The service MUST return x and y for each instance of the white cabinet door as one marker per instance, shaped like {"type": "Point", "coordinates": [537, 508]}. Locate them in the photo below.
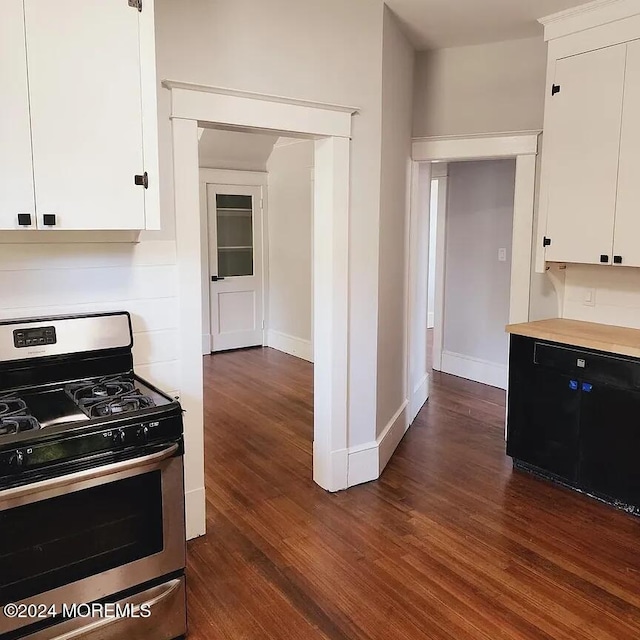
{"type": "Point", "coordinates": [16, 192]}
{"type": "Point", "coordinates": [626, 244]}
{"type": "Point", "coordinates": [86, 114]}
{"type": "Point", "coordinates": [582, 141]}
{"type": "Point", "coordinates": [234, 218]}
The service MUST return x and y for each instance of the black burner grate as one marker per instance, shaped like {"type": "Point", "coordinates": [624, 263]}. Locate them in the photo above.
{"type": "Point", "coordinates": [14, 416]}
{"type": "Point", "coordinates": [109, 396]}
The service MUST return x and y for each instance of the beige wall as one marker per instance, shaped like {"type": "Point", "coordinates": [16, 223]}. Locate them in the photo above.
{"type": "Point", "coordinates": [397, 105]}
{"type": "Point", "coordinates": [480, 89]}
{"type": "Point", "coordinates": [290, 238]}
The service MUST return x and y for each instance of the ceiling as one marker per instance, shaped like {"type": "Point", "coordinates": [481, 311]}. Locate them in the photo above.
{"type": "Point", "coordinates": [435, 24]}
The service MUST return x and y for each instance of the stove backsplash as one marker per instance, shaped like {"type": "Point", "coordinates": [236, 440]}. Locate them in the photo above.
{"type": "Point", "coordinates": [615, 291]}
{"type": "Point", "coordinates": [66, 278]}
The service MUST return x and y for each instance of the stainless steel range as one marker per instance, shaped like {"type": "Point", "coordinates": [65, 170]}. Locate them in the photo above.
{"type": "Point", "coordinates": [92, 529]}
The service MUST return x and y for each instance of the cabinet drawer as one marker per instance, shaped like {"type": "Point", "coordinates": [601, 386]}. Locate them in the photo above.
{"type": "Point", "coordinates": [615, 371]}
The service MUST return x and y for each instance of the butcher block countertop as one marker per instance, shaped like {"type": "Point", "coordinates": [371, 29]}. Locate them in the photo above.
{"type": "Point", "coordinates": [589, 335]}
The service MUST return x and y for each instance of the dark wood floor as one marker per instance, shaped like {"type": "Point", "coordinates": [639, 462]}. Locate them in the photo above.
{"type": "Point", "coordinates": [449, 544]}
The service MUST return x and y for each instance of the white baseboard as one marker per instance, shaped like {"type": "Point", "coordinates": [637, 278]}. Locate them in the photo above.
{"type": "Point", "coordinates": [330, 471]}
{"type": "Point", "coordinates": [431, 320]}
{"type": "Point", "coordinates": [390, 437]}
{"type": "Point", "coordinates": [366, 462]}
{"type": "Point", "coordinates": [495, 375]}
{"type": "Point", "coordinates": [290, 344]}
{"type": "Point", "coordinates": [206, 344]}
{"type": "Point", "coordinates": [195, 513]}
{"type": "Point", "coordinates": [419, 396]}
{"type": "Point", "coordinates": [363, 464]}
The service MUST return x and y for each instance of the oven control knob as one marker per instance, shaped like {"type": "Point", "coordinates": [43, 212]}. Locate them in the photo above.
{"type": "Point", "coordinates": [17, 460]}
{"type": "Point", "coordinates": [119, 436]}
{"type": "Point", "coordinates": [143, 434]}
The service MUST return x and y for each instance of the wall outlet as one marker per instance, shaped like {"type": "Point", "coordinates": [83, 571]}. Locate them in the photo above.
{"type": "Point", "coordinates": [502, 255]}
{"type": "Point", "coordinates": [589, 299]}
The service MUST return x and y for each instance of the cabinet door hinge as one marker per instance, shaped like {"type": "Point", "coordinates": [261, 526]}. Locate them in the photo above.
{"type": "Point", "coordinates": [142, 180]}
{"type": "Point", "coordinates": [555, 88]}
{"type": "Point", "coordinates": [546, 241]}
{"type": "Point", "coordinates": [136, 4]}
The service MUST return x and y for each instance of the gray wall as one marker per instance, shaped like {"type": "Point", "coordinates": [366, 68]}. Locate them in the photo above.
{"type": "Point", "coordinates": [479, 222]}
{"type": "Point", "coordinates": [397, 106]}
{"type": "Point", "coordinates": [480, 89]}
{"type": "Point", "coordinates": [329, 51]}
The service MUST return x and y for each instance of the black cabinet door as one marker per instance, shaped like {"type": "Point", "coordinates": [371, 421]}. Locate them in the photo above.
{"type": "Point", "coordinates": [610, 443]}
{"type": "Point", "coordinates": [544, 418]}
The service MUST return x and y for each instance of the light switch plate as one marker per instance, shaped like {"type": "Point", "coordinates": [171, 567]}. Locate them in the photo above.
{"type": "Point", "coordinates": [589, 299]}
{"type": "Point", "coordinates": [502, 255]}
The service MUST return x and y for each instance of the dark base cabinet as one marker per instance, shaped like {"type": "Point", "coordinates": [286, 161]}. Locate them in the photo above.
{"type": "Point", "coordinates": [574, 416]}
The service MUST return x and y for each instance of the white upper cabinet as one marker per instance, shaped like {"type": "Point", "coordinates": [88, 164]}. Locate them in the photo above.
{"type": "Point", "coordinates": [79, 120]}
{"type": "Point", "coordinates": [626, 244]}
{"type": "Point", "coordinates": [589, 208]}
{"type": "Point", "coordinates": [581, 146]}
{"type": "Point", "coordinates": [16, 193]}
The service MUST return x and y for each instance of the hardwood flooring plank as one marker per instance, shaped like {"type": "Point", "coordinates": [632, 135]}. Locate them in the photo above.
{"type": "Point", "coordinates": [450, 544]}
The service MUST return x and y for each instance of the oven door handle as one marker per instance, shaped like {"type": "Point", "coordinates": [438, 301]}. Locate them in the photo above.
{"type": "Point", "coordinates": [91, 628]}
{"type": "Point", "coordinates": [89, 474]}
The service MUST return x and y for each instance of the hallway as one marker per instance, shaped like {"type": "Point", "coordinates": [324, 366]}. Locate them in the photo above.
{"type": "Point", "coordinates": [442, 547]}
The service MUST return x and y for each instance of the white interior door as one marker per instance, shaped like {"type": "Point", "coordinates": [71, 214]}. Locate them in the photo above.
{"type": "Point", "coordinates": [86, 112]}
{"type": "Point", "coordinates": [626, 248]}
{"type": "Point", "coordinates": [16, 193]}
{"type": "Point", "coordinates": [234, 218]}
{"type": "Point", "coordinates": [582, 139]}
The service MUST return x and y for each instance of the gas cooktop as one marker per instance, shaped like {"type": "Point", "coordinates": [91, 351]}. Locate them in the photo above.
{"type": "Point", "coordinates": [75, 402]}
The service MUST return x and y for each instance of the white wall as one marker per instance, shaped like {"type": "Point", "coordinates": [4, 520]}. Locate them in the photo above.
{"type": "Point", "coordinates": [479, 221]}
{"type": "Point", "coordinates": [397, 106]}
{"type": "Point", "coordinates": [290, 238]}
{"type": "Point", "coordinates": [234, 150]}
{"type": "Point", "coordinates": [480, 89]}
{"type": "Point", "coordinates": [328, 51]}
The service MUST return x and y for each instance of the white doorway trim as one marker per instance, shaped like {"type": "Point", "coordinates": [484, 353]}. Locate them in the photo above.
{"type": "Point", "coordinates": [239, 179]}
{"type": "Point", "coordinates": [521, 145]}
{"type": "Point", "coordinates": [330, 127]}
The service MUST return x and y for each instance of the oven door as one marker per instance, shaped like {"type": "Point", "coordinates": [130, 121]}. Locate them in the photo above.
{"type": "Point", "coordinates": [88, 535]}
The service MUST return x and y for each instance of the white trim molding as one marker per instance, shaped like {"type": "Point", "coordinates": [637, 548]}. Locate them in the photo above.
{"type": "Point", "coordinates": [587, 16]}
{"type": "Point", "coordinates": [290, 344]}
{"type": "Point", "coordinates": [475, 147]}
{"type": "Point", "coordinates": [483, 371]}
{"type": "Point", "coordinates": [231, 108]}
{"type": "Point", "coordinates": [234, 177]}
{"type": "Point", "coordinates": [330, 126]}
{"type": "Point", "coordinates": [366, 462]}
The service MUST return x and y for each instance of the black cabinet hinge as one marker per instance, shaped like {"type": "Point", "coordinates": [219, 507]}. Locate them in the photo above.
{"type": "Point", "coordinates": [136, 4]}
{"type": "Point", "coordinates": [546, 241]}
{"type": "Point", "coordinates": [555, 88]}
{"type": "Point", "coordinates": [142, 180]}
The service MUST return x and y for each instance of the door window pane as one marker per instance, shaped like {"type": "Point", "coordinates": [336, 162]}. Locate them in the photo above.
{"type": "Point", "coordinates": [234, 216]}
